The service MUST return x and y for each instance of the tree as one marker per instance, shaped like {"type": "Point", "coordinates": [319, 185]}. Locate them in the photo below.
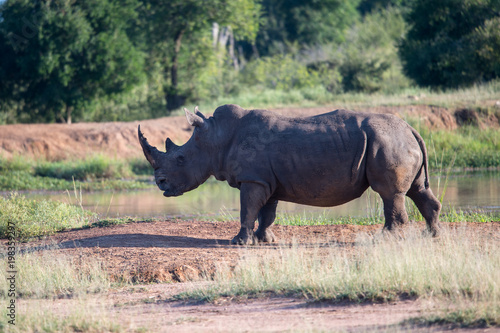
{"type": "Point", "coordinates": [56, 56]}
{"type": "Point", "coordinates": [304, 22]}
{"type": "Point", "coordinates": [452, 43]}
{"type": "Point", "coordinates": [368, 6]}
{"type": "Point", "coordinates": [368, 58]}
{"type": "Point", "coordinates": [168, 25]}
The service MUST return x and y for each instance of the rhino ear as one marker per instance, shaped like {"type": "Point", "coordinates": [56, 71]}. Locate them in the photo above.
{"type": "Point", "coordinates": [193, 119]}
{"type": "Point", "coordinates": [170, 146]}
{"type": "Point", "coordinates": [197, 112]}
{"type": "Point", "coordinates": [152, 154]}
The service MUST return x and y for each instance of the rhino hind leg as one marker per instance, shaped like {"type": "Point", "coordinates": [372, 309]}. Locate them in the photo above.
{"type": "Point", "coordinates": [394, 211]}
{"type": "Point", "coordinates": [267, 215]}
{"type": "Point", "coordinates": [428, 205]}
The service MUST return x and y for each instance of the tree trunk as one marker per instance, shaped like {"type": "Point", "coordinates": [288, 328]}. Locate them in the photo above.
{"type": "Point", "coordinates": [69, 111]}
{"type": "Point", "coordinates": [174, 100]}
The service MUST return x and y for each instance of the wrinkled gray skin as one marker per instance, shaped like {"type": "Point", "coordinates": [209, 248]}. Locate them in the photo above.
{"type": "Point", "coordinates": [324, 160]}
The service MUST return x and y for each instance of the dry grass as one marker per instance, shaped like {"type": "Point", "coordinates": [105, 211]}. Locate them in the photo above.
{"type": "Point", "coordinates": [77, 315]}
{"type": "Point", "coordinates": [47, 274]}
{"type": "Point", "coordinates": [460, 268]}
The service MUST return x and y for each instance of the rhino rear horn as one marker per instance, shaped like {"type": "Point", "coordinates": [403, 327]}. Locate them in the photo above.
{"type": "Point", "coordinates": [152, 154]}
{"type": "Point", "coordinates": [169, 145]}
{"type": "Point", "coordinates": [195, 119]}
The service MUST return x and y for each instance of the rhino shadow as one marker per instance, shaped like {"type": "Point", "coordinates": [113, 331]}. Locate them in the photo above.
{"type": "Point", "coordinates": [144, 240]}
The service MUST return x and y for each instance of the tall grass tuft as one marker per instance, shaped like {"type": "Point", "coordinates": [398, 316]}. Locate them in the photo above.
{"type": "Point", "coordinates": [49, 273]}
{"type": "Point", "coordinates": [33, 218]}
{"type": "Point", "coordinates": [460, 266]}
{"type": "Point", "coordinates": [81, 315]}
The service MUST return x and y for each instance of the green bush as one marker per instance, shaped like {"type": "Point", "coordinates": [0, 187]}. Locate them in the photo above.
{"type": "Point", "coordinates": [24, 180]}
{"type": "Point", "coordinates": [16, 163]}
{"type": "Point", "coordinates": [32, 218]}
{"type": "Point", "coordinates": [368, 59]}
{"type": "Point", "coordinates": [279, 72]}
{"type": "Point", "coordinates": [97, 167]}
{"type": "Point", "coordinates": [141, 166]}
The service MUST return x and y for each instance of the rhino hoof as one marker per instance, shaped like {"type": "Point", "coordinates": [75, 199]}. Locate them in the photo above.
{"type": "Point", "coordinates": [240, 240]}
{"type": "Point", "coordinates": [265, 237]}
{"type": "Point", "coordinates": [432, 232]}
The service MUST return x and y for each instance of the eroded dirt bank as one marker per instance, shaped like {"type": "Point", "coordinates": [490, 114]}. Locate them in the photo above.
{"type": "Point", "coordinates": [119, 139]}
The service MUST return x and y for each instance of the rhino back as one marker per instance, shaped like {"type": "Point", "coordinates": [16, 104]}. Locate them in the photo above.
{"type": "Point", "coordinates": [305, 160]}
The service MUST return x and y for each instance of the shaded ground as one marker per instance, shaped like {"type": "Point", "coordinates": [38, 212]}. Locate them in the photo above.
{"type": "Point", "coordinates": [119, 139]}
{"type": "Point", "coordinates": [170, 251]}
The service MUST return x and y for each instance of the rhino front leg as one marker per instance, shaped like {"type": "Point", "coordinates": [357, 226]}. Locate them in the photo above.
{"type": "Point", "coordinates": [253, 197]}
{"type": "Point", "coordinates": [267, 214]}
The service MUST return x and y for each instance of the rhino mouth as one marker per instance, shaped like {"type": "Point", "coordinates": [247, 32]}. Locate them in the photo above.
{"type": "Point", "coordinates": [170, 193]}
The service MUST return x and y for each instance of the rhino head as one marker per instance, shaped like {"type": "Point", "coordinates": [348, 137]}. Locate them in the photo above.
{"type": "Point", "coordinates": [180, 168]}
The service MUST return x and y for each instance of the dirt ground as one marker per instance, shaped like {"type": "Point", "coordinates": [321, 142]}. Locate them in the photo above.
{"type": "Point", "coordinates": [119, 139]}
{"type": "Point", "coordinates": [179, 251]}
{"type": "Point", "coordinates": [174, 252]}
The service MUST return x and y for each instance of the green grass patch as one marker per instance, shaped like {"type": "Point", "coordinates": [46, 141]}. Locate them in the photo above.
{"type": "Point", "coordinates": [447, 215]}
{"type": "Point", "coordinates": [33, 218]}
{"type": "Point", "coordinates": [25, 181]}
{"type": "Point", "coordinates": [92, 174]}
{"type": "Point", "coordinates": [96, 167]}
{"type": "Point", "coordinates": [16, 163]}
{"type": "Point", "coordinates": [18, 180]}
{"type": "Point", "coordinates": [309, 96]}
{"type": "Point", "coordinates": [465, 315]}
{"type": "Point", "coordinates": [324, 219]}
{"type": "Point", "coordinates": [461, 267]}
{"type": "Point", "coordinates": [466, 147]}
{"type": "Point", "coordinates": [117, 221]}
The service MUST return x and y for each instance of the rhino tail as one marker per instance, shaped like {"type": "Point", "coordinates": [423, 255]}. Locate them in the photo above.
{"type": "Point", "coordinates": [425, 162]}
{"type": "Point", "coordinates": [356, 164]}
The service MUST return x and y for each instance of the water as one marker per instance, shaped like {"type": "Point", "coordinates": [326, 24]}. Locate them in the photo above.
{"type": "Point", "coordinates": [468, 191]}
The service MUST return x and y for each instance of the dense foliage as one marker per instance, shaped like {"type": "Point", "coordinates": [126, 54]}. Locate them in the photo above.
{"type": "Point", "coordinates": [55, 56]}
{"type": "Point", "coordinates": [455, 44]}
{"type": "Point", "coordinates": [99, 60]}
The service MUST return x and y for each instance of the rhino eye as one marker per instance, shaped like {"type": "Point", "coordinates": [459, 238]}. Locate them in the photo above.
{"type": "Point", "coordinates": [180, 160]}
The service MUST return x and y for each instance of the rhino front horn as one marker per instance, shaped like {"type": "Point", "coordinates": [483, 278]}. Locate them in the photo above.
{"type": "Point", "coordinates": [152, 154]}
